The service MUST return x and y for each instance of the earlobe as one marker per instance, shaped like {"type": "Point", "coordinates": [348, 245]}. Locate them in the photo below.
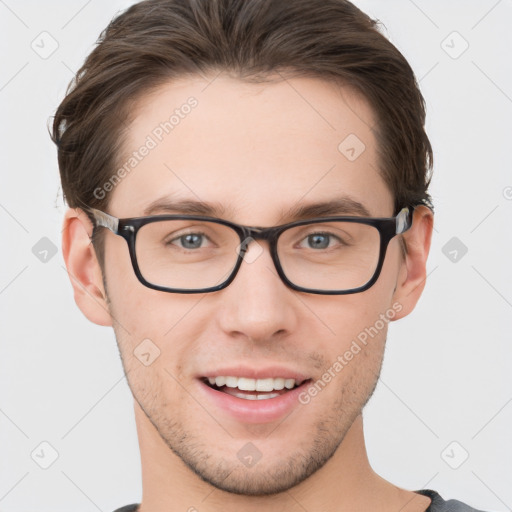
{"type": "Point", "coordinates": [83, 267]}
{"type": "Point", "coordinates": [413, 272]}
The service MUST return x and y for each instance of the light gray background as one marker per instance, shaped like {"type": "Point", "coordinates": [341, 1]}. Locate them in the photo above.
{"type": "Point", "coordinates": [446, 375]}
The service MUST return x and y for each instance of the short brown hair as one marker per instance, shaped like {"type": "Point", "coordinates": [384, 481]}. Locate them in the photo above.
{"type": "Point", "coordinates": [155, 41]}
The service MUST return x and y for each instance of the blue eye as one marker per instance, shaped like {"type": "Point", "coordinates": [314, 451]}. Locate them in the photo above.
{"type": "Point", "coordinates": [189, 241]}
{"type": "Point", "coordinates": [319, 241]}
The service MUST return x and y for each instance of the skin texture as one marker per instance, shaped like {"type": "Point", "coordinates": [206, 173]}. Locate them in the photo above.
{"type": "Point", "coordinates": [254, 150]}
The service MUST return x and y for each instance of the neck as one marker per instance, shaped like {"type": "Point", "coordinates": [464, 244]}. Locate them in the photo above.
{"type": "Point", "coordinates": [345, 483]}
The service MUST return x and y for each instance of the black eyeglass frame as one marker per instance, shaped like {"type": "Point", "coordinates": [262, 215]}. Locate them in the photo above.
{"type": "Point", "coordinates": [127, 228]}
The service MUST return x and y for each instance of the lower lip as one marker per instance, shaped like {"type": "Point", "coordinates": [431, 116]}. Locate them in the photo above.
{"type": "Point", "coordinates": [254, 411]}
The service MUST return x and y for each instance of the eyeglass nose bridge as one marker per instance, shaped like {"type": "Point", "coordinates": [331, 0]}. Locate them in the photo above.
{"type": "Point", "coordinates": [249, 234]}
{"type": "Point", "coordinates": [253, 234]}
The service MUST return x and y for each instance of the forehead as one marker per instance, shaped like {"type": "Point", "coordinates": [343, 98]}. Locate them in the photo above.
{"type": "Point", "coordinates": [253, 150]}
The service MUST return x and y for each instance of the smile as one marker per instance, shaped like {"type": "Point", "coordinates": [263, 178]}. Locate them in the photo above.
{"type": "Point", "coordinates": [252, 389]}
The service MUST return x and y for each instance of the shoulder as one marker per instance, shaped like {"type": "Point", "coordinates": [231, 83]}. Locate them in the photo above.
{"type": "Point", "coordinates": [440, 505]}
{"type": "Point", "coordinates": [128, 508]}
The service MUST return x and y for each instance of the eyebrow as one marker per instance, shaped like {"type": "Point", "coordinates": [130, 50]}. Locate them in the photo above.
{"type": "Point", "coordinates": [340, 206]}
{"type": "Point", "coordinates": [344, 205]}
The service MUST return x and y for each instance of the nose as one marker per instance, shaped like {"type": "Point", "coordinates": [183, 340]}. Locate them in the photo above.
{"type": "Point", "coordinates": [257, 304]}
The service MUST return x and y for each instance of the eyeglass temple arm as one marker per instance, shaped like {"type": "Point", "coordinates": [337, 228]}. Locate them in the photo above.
{"type": "Point", "coordinates": [403, 220]}
{"type": "Point", "coordinates": [105, 220]}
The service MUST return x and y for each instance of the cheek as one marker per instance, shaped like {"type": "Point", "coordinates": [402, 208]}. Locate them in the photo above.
{"type": "Point", "coordinates": [140, 310]}
{"type": "Point", "coordinates": [359, 344]}
{"type": "Point", "coordinates": [359, 317]}
{"type": "Point", "coordinates": [154, 348]}
{"type": "Point", "coordinates": [393, 263]}
{"type": "Point", "coordinates": [356, 325]}
{"type": "Point", "coordinates": [145, 321]}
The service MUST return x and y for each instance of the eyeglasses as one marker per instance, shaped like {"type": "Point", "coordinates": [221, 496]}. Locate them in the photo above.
{"type": "Point", "coordinates": [197, 254]}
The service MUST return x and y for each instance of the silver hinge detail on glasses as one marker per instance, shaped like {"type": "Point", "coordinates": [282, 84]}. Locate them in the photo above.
{"type": "Point", "coordinates": [105, 220]}
{"type": "Point", "coordinates": [401, 221]}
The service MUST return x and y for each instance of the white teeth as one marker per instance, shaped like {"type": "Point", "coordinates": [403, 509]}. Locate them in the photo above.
{"type": "Point", "coordinates": [255, 397]}
{"type": "Point", "coordinates": [264, 384]}
{"type": "Point", "coordinates": [278, 384]}
{"type": "Point", "coordinates": [230, 382]}
{"type": "Point", "coordinates": [289, 383]}
{"type": "Point", "coordinates": [220, 381]}
{"type": "Point", "coordinates": [246, 384]}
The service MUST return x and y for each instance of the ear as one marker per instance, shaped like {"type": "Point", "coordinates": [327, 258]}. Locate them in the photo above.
{"type": "Point", "coordinates": [83, 267]}
{"type": "Point", "coordinates": [413, 272]}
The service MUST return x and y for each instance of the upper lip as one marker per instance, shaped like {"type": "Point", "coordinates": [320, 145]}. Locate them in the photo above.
{"type": "Point", "coordinates": [253, 372]}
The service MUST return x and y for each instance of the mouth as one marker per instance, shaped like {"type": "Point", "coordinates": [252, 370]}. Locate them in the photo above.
{"type": "Point", "coordinates": [252, 393]}
{"type": "Point", "coordinates": [253, 389]}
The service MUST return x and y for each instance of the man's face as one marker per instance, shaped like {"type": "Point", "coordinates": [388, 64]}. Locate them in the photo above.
{"type": "Point", "coordinates": [254, 151]}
